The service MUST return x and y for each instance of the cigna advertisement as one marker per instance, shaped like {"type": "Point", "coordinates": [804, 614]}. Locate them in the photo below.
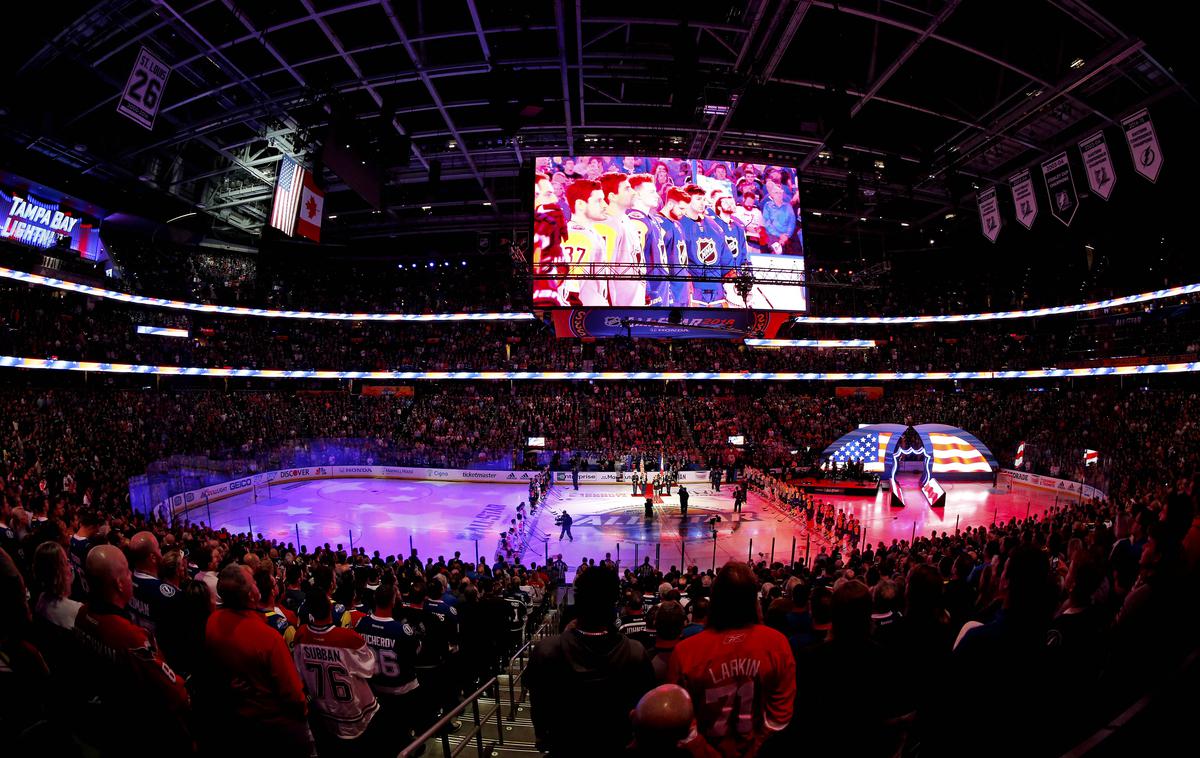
{"type": "Point", "coordinates": [45, 219]}
{"type": "Point", "coordinates": [636, 231]}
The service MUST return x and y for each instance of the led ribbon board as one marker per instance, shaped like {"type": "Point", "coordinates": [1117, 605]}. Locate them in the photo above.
{"type": "Point", "coordinates": [604, 376]}
{"type": "Point", "coordinates": [158, 302]}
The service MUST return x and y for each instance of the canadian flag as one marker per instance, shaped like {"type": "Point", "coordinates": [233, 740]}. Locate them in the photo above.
{"type": "Point", "coordinates": [1020, 459]}
{"type": "Point", "coordinates": [312, 206]}
{"type": "Point", "coordinates": [1090, 457]}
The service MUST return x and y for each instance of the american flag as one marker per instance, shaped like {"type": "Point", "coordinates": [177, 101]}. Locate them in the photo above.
{"type": "Point", "coordinates": [952, 453]}
{"type": "Point", "coordinates": [1020, 455]}
{"type": "Point", "coordinates": [867, 446]}
{"type": "Point", "coordinates": [1090, 457]}
{"type": "Point", "coordinates": [289, 183]}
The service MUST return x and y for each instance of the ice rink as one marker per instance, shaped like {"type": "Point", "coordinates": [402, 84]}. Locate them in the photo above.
{"type": "Point", "coordinates": [438, 518]}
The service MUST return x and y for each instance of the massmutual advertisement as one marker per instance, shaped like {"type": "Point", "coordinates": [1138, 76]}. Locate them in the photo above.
{"type": "Point", "coordinates": [43, 218]}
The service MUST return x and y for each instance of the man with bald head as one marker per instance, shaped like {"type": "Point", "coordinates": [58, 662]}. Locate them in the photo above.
{"type": "Point", "coordinates": [154, 601]}
{"type": "Point", "coordinates": [122, 668]}
{"type": "Point", "coordinates": [664, 726]}
{"type": "Point", "coordinates": [255, 687]}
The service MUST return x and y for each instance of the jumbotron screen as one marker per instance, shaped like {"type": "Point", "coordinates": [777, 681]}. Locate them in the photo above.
{"type": "Point", "coordinates": [633, 231]}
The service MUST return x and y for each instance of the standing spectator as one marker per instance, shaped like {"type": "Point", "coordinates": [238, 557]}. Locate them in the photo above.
{"type": "Point", "coordinates": [52, 574]}
{"type": "Point", "coordinates": [252, 683]}
{"type": "Point", "coordinates": [664, 726]}
{"type": "Point", "coordinates": [25, 689]}
{"type": "Point", "coordinates": [336, 666]}
{"type": "Point", "coordinates": [395, 645]}
{"type": "Point", "coordinates": [742, 672]}
{"type": "Point", "coordinates": [121, 668]}
{"type": "Point", "coordinates": [1016, 643]}
{"type": "Point", "coordinates": [206, 563]}
{"type": "Point", "coordinates": [668, 627]}
{"type": "Point", "coordinates": [584, 682]}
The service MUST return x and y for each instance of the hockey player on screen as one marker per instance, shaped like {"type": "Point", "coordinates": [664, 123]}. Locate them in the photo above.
{"type": "Point", "coordinates": [676, 244]}
{"type": "Point", "coordinates": [735, 240]}
{"type": "Point", "coordinates": [650, 230]}
{"type": "Point", "coordinates": [549, 230]}
{"type": "Point", "coordinates": [709, 258]}
{"type": "Point", "coordinates": [628, 261]}
{"type": "Point", "coordinates": [583, 246]}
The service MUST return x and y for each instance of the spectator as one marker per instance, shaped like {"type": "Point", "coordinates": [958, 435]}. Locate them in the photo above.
{"type": "Point", "coordinates": [664, 726]}
{"type": "Point", "coordinates": [584, 682]}
{"type": "Point", "coordinates": [743, 672]}
{"type": "Point", "coordinates": [668, 627]}
{"type": "Point", "coordinates": [53, 576]}
{"type": "Point", "coordinates": [336, 666]}
{"type": "Point", "coordinates": [120, 666]}
{"type": "Point", "coordinates": [252, 683]}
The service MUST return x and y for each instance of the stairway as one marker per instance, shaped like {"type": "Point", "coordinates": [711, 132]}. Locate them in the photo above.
{"type": "Point", "coordinates": [515, 724]}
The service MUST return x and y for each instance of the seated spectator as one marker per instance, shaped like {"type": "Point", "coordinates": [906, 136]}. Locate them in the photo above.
{"type": "Point", "coordinates": [584, 682]}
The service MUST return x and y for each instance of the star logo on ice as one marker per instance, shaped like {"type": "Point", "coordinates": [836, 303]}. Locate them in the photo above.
{"type": "Point", "coordinates": [310, 208]}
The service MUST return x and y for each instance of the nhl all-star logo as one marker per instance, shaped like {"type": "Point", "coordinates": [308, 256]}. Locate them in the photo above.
{"type": "Point", "coordinates": [706, 250]}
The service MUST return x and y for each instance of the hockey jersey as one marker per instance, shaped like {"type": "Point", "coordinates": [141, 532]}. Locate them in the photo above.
{"type": "Point", "coordinates": [677, 261]}
{"type": "Point", "coordinates": [152, 602]}
{"type": "Point", "coordinates": [708, 259]}
{"type": "Point", "coordinates": [396, 645]}
{"type": "Point", "coordinates": [742, 681]}
{"type": "Point", "coordinates": [585, 249]}
{"type": "Point", "coordinates": [282, 621]}
{"type": "Point", "coordinates": [336, 665]}
{"type": "Point", "coordinates": [650, 236]}
{"type": "Point", "coordinates": [629, 262]}
{"type": "Point", "coordinates": [549, 264]}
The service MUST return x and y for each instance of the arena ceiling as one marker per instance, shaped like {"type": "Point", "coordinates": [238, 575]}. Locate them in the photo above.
{"type": "Point", "coordinates": [894, 111]}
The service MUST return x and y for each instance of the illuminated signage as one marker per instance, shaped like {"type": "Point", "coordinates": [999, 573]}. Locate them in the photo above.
{"type": "Point", "coordinates": [43, 222]}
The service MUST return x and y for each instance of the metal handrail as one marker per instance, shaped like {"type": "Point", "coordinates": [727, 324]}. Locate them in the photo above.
{"type": "Point", "coordinates": [476, 730]}
{"type": "Point", "coordinates": [472, 700]}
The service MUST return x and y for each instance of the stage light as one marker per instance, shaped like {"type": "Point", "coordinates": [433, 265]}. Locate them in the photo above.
{"type": "Point", "coordinates": [332, 216]}
{"type": "Point", "coordinates": [862, 218]}
{"type": "Point", "coordinates": [816, 213]}
{"type": "Point", "coordinates": [1077, 63]}
{"type": "Point", "coordinates": [904, 224]}
{"type": "Point", "coordinates": [950, 216]}
{"type": "Point", "coordinates": [464, 263]}
{"type": "Point", "coordinates": [932, 242]}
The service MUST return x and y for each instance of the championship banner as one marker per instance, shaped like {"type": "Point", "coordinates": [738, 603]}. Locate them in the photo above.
{"type": "Point", "coordinates": [144, 90]}
{"type": "Point", "coordinates": [1143, 144]}
{"type": "Point", "coordinates": [1024, 198]}
{"type": "Point", "coordinates": [1098, 165]}
{"type": "Point", "coordinates": [1060, 186]}
{"type": "Point", "coordinates": [989, 214]}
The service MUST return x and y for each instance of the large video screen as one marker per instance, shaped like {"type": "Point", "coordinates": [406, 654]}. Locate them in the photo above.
{"type": "Point", "coordinates": [634, 231]}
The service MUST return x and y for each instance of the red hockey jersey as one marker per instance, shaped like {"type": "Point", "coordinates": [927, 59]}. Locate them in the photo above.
{"type": "Point", "coordinates": [742, 683]}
